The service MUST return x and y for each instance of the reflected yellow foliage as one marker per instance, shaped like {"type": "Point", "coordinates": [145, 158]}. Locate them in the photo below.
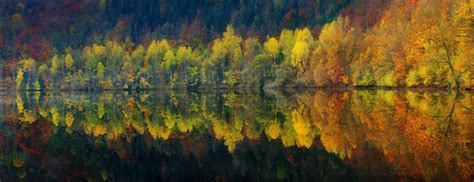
{"type": "Point", "coordinates": [69, 119]}
{"type": "Point", "coordinates": [28, 117]}
{"type": "Point", "coordinates": [99, 129]}
{"type": "Point", "coordinates": [19, 104]}
{"type": "Point", "coordinates": [273, 130]}
{"type": "Point", "coordinates": [229, 132]}
{"type": "Point", "coordinates": [418, 133]}
{"type": "Point", "coordinates": [54, 115]}
{"type": "Point", "coordinates": [18, 162]}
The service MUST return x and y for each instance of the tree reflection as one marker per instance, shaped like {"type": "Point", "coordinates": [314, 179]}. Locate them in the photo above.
{"type": "Point", "coordinates": [404, 134]}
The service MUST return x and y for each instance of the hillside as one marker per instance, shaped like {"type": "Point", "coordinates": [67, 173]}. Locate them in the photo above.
{"type": "Point", "coordinates": [116, 44]}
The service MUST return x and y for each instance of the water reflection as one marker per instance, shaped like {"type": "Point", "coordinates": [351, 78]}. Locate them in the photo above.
{"type": "Point", "coordinates": [331, 135]}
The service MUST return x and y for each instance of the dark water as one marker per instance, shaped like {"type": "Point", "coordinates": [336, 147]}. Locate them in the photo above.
{"type": "Point", "coordinates": [312, 135]}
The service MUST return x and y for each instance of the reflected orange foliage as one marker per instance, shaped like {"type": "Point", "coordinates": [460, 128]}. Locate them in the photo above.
{"type": "Point", "coordinates": [418, 135]}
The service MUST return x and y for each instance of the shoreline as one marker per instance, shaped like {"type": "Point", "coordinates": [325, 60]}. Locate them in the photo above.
{"type": "Point", "coordinates": [220, 89]}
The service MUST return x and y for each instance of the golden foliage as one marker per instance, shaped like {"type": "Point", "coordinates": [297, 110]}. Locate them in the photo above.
{"type": "Point", "coordinates": [69, 119]}
{"type": "Point", "coordinates": [19, 78]}
{"type": "Point", "coordinates": [271, 46]}
{"type": "Point", "coordinates": [69, 61]}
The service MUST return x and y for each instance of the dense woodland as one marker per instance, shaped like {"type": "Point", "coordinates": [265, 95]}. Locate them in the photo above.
{"type": "Point", "coordinates": [115, 44]}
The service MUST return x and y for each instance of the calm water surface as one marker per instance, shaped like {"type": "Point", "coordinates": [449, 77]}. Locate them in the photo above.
{"type": "Point", "coordinates": [313, 135]}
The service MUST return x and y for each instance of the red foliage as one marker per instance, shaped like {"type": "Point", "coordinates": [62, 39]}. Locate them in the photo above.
{"type": "Point", "coordinates": [20, 38]}
{"type": "Point", "coordinates": [29, 42]}
{"type": "Point", "coordinates": [30, 138]}
{"type": "Point", "coordinates": [365, 13]}
{"type": "Point", "coordinates": [2, 40]}
{"type": "Point", "coordinates": [287, 18]}
{"type": "Point", "coordinates": [30, 39]}
{"type": "Point", "coordinates": [2, 142]}
{"type": "Point", "coordinates": [39, 48]}
{"type": "Point", "coordinates": [193, 33]}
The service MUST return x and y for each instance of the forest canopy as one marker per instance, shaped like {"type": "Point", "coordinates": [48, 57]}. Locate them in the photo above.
{"type": "Point", "coordinates": [115, 44]}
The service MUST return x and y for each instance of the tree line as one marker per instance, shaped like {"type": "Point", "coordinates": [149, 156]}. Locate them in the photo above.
{"type": "Point", "coordinates": [418, 44]}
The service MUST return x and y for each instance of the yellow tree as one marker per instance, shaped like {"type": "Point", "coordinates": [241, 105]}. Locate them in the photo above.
{"type": "Point", "coordinates": [169, 63]}
{"type": "Point", "coordinates": [439, 40]}
{"type": "Point", "coordinates": [100, 72]}
{"type": "Point", "coordinates": [69, 62]}
{"type": "Point", "coordinates": [54, 65]}
{"type": "Point", "coordinates": [154, 57]}
{"type": "Point", "coordinates": [184, 57]}
{"type": "Point", "coordinates": [28, 73]}
{"type": "Point", "coordinates": [54, 70]}
{"type": "Point", "coordinates": [271, 46]}
{"type": "Point", "coordinates": [287, 42]}
{"type": "Point", "coordinates": [381, 60]}
{"type": "Point", "coordinates": [464, 23]}
{"type": "Point", "coordinates": [226, 54]}
{"type": "Point", "coordinates": [300, 53]}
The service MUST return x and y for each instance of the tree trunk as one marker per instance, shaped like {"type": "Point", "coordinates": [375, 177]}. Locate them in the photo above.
{"type": "Point", "coordinates": [451, 67]}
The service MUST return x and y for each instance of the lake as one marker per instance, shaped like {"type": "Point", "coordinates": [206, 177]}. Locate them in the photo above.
{"type": "Point", "coordinates": [353, 135]}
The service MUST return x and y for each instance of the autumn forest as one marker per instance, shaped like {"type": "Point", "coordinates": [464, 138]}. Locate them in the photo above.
{"type": "Point", "coordinates": [393, 44]}
{"type": "Point", "coordinates": [236, 90]}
